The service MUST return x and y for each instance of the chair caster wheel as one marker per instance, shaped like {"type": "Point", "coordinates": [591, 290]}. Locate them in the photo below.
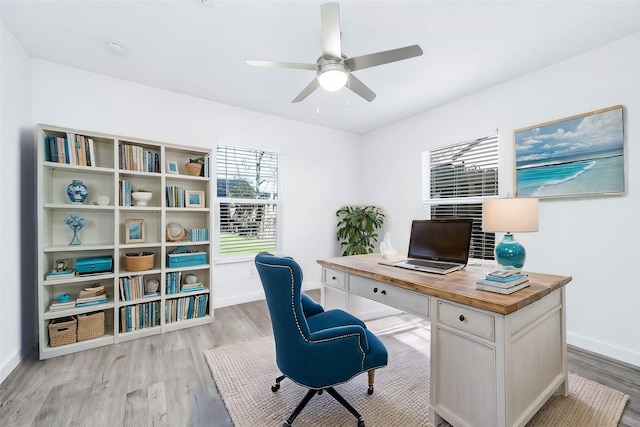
{"type": "Point", "coordinates": [370, 391]}
{"type": "Point", "coordinates": [275, 387]}
{"type": "Point", "coordinates": [360, 423]}
{"type": "Point", "coordinates": [286, 425]}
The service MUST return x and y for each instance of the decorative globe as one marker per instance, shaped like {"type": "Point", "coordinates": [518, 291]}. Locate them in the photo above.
{"type": "Point", "coordinates": [190, 279]}
{"type": "Point", "coordinates": [77, 191]}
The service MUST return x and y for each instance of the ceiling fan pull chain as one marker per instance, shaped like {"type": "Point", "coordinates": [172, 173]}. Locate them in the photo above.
{"type": "Point", "coordinates": [349, 92]}
{"type": "Point", "coordinates": [318, 103]}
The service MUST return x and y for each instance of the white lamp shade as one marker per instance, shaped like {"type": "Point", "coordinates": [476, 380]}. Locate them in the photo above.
{"type": "Point", "coordinates": [332, 80]}
{"type": "Point", "coordinates": [511, 215]}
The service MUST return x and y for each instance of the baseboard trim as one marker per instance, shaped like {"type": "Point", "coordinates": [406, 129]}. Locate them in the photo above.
{"type": "Point", "coordinates": [599, 348]}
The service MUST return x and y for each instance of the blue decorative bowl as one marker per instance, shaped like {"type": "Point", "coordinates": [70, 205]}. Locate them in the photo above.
{"type": "Point", "coordinates": [77, 191]}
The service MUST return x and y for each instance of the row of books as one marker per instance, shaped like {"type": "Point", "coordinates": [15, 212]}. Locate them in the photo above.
{"type": "Point", "coordinates": [185, 308]}
{"type": "Point", "coordinates": [136, 158]}
{"type": "Point", "coordinates": [124, 192]}
{"type": "Point", "coordinates": [132, 288]}
{"type": "Point", "coordinates": [199, 234]}
{"type": "Point", "coordinates": [139, 316]}
{"type": "Point", "coordinates": [175, 197]}
{"type": "Point", "coordinates": [173, 282]}
{"type": "Point", "coordinates": [72, 150]}
{"type": "Point", "coordinates": [503, 282]}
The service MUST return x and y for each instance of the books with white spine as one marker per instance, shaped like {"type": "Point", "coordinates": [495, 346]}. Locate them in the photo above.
{"type": "Point", "coordinates": [513, 281]}
{"type": "Point", "coordinates": [504, 291]}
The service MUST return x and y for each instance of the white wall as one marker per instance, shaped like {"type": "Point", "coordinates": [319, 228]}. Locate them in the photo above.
{"type": "Point", "coordinates": [582, 238]}
{"type": "Point", "coordinates": [311, 155]}
{"type": "Point", "coordinates": [18, 293]}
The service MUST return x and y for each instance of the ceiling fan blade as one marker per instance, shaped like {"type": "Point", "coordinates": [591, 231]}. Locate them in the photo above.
{"type": "Point", "coordinates": [360, 88]}
{"type": "Point", "coordinates": [307, 90]}
{"type": "Point", "coordinates": [330, 15]}
{"type": "Point", "coordinates": [371, 60]}
{"type": "Point", "coordinates": [278, 64]}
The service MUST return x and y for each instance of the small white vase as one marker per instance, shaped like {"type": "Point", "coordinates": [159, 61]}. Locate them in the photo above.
{"type": "Point", "coordinates": [141, 197]}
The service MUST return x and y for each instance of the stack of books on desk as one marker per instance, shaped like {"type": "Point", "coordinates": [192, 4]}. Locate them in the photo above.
{"type": "Point", "coordinates": [503, 282]}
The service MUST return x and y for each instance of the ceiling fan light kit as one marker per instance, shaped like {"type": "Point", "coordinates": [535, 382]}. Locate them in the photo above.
{"type": "Point", "coordinates": [333, 68]}
{"type": "Point", "coordinates": [332, 73]}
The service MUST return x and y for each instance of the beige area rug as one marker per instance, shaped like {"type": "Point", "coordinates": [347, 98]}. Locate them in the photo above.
{"type": "Point", "coordinates": [245, 372]}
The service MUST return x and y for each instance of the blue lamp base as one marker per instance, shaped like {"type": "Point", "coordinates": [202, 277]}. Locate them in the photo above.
{"type": "Point", "coordinates": [510, 254]}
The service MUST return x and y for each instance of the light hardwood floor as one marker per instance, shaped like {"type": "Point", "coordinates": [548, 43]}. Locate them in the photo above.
{"type": "Point", "coordinates": [164, 380]}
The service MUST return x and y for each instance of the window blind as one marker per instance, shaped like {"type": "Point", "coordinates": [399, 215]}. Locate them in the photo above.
{"type": "Point", "coordinates": [248, 201]}
{"type": "Point", "coordinates": [456, 179]}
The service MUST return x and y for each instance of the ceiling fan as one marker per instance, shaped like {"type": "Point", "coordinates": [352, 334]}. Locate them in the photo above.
{"type": "Point", "coordinates": [333, 69]}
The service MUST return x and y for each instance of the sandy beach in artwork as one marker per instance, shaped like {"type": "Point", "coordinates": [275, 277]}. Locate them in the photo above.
{"type": "Point", "coordinates": [604, 176]}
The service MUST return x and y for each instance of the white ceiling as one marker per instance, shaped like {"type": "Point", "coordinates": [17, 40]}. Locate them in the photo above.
{"type": "Point", "coordinates": [194, 49]}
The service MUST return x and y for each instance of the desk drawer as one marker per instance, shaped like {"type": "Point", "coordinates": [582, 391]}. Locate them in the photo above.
{"type": "Point", "coordinates": [334, 278]}
{"type": "Point", "coordinates": [468, 320]}
{"type": "Point", "coordinates": [412, 302]}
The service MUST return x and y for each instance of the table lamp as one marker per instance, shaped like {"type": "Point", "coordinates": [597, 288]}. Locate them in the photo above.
{"type": "Point", "coordinates": [510, 215]}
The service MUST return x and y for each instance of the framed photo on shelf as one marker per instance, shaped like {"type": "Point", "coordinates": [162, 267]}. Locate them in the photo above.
{"type": "Point", "coordinates": [194, 199]}
{"type": "Point", "coordinates": [172, 167]}
{"type": "Point", "coordinates": [577, 156]}
{"type": "Point", "coordinates": [134, 231]}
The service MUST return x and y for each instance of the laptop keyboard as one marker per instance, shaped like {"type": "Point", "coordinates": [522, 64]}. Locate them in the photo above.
{"type": "Point", "coordinates": [429, 264]}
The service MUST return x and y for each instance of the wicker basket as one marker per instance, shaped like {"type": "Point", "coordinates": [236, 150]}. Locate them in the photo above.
{"type": "Point", "coordinates": [62, 331]}
{"type": "Point", "coordinates": [193, 169]}
{"type": "Point", "coordinates": [139, 261]}
{"type": "Point", "coordinates": [90, 325]}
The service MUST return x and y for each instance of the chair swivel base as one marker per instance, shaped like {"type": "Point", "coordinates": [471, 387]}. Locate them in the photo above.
{"type": "Point", "coordinates": [337, 396]}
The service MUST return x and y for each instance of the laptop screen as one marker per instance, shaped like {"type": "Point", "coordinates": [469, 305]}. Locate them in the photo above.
{"type": "Point", "coordinates": [441, 239]}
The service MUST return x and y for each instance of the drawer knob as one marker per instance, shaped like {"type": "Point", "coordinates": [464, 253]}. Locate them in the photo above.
{"type": "Point", "coordinates": [375, 290]}
{"type": "Point", "coordinates": [461, 317]}
{"type": "Point", "coordinates": [383, 292]}
{"type": "Point", "coordinates": [334, 278]}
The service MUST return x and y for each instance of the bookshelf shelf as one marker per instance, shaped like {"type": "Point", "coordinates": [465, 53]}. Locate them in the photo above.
{"type": "Point", "coordinates": [107, 162]}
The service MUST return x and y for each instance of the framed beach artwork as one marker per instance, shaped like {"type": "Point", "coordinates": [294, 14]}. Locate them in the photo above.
{"type": "Point", "coordinates": [577, 156]}
{"type": "Point", "coordinates": [134, 231]}
{"type": "Point", "coordinates": [194, 199]}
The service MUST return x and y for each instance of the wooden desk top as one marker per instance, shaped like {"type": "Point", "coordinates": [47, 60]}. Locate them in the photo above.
{"type": "Point", "coordinates": [459, 286]}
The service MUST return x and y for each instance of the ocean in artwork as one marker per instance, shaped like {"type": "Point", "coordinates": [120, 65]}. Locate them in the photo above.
{"type": "Point", "coordinates": [580, 177]}
{"type": "Point", "coordinates": [577, 156]}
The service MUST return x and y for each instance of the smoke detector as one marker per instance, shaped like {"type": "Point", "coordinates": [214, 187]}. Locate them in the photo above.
{"type": "Point", "coordinates": [116, 49]}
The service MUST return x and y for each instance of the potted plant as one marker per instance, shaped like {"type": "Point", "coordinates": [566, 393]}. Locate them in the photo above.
{"type": "Point", "coordinates": [141, 196]}
{"type": "Point", "coordinates": [194, 167]}
{"type": "Point", "coordinates": [357, 228]}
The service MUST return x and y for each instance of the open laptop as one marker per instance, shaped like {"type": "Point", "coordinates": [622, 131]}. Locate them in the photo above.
{"type": "Point", "coordinates": [438, 245]}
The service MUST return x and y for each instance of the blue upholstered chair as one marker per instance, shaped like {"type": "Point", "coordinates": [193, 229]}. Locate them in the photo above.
{"type": "Point", "coordinates": [316, 349]}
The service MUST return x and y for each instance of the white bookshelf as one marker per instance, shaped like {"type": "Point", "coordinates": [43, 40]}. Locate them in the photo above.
{"type": "Point", "coordinates": [104, 234]}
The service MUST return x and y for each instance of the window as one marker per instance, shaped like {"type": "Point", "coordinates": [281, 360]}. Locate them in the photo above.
{"type": "Point", "coordinates": [248, 201]}
{"type": "Point", "coordinates": [456, 179]}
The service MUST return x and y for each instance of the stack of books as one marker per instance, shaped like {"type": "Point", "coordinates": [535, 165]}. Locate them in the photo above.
{"type": "Point", "coordinates": [60, 274]}
{"type": "Point", "coordinates": [190, 287]}
{"type": "Point", "coordinates": [503, 282]}
{"type": "Point", "coordinates": [57, 306]}
{"type": "Point", "coordinates": [91, 296]}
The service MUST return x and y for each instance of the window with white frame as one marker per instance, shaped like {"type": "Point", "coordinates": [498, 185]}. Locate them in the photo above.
{"type": "Point", "coordinates": [456, 179]}
{"type": "Point", "coordinates": [248, 201]}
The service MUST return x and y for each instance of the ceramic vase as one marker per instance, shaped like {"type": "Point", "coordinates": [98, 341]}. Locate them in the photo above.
{"type": "Point", "coordinates": [77, 191]}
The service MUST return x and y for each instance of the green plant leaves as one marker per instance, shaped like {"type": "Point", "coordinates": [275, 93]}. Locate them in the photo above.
{"type": "Point", "coordinates": [357, 227]}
